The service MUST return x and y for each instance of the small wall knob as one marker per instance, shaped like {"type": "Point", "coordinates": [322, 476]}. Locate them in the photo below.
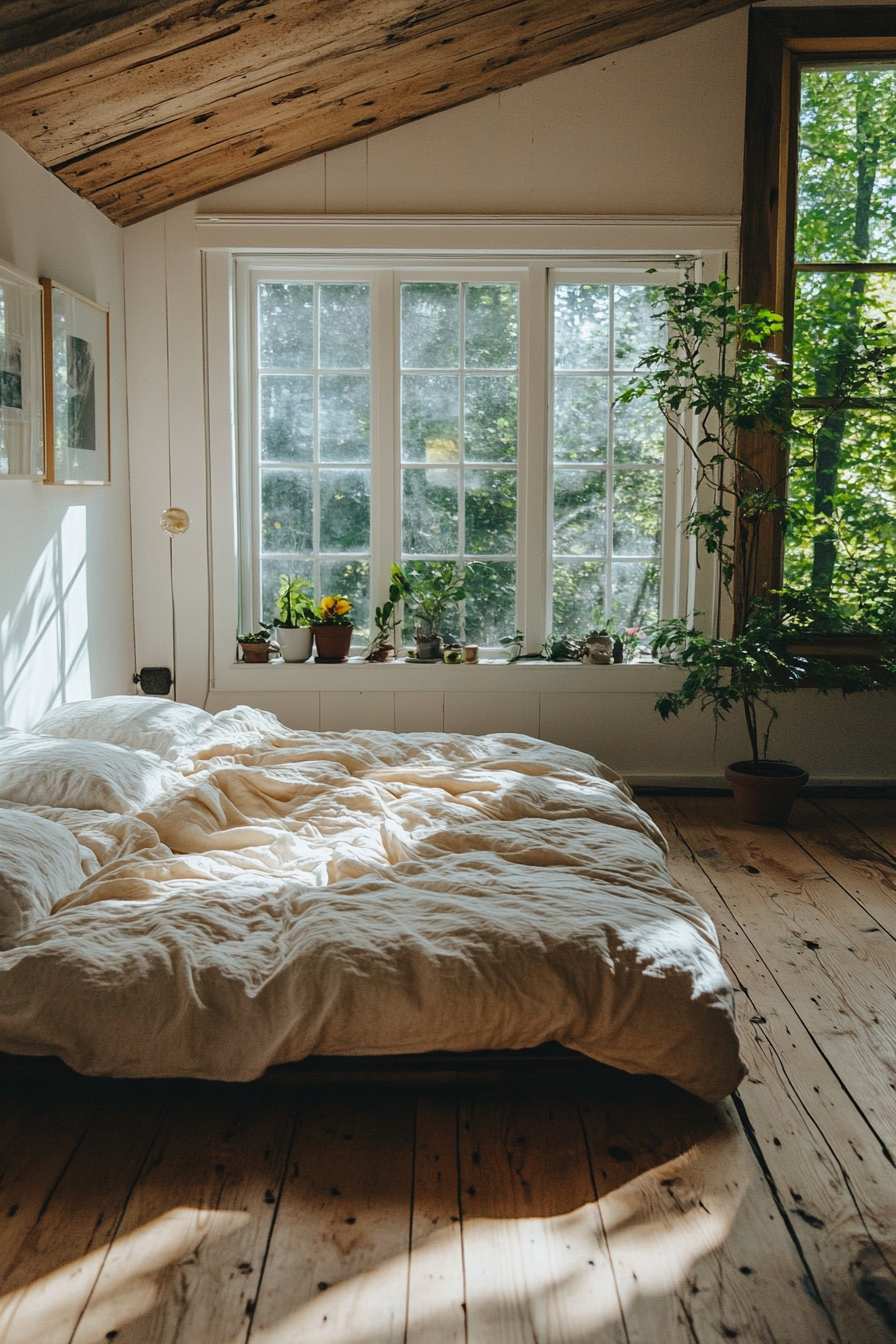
{"type": "Point", "coordinates": [175, 521]}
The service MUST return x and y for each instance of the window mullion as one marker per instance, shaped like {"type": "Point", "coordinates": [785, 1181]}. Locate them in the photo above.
{"type": "Point", "coordinates": [534, 505]}
{"type": "Point", "coordinates": [385, 439]}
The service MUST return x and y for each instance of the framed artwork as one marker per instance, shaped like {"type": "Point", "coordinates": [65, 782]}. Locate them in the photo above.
{"type": "Point", "coordinates": [21, 382]}
{"type": "Point", "coordinates": [76, 388]}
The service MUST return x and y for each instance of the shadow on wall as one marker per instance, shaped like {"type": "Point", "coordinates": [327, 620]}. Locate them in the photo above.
{"type": "Point", "coordinates": [44, 656]}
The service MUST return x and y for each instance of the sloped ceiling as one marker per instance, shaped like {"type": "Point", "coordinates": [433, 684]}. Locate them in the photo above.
{"type": "Point", "coordinates": [139, 107]}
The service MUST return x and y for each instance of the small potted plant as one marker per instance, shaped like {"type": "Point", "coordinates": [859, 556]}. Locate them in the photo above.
{"type": "Point", "coordinates": [562, 649]}
{"type": "Point", "coordinates": [432, 588]}
{"type": "Point", "coordinates": [293, 620]}
{"type": "Point", "coordinates": [256, 646]}
{"type": "Point", "coordinates": [332, 627]}
{"type": "Point", "coordinates": [386, 619]}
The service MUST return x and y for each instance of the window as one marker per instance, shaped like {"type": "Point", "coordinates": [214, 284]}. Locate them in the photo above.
{"type": "Point", "coordinates": [396, 413]}
{"type": "Point", "coordinates": [819, 246]}
{"type": "Point", "coordinates": [843, 537]}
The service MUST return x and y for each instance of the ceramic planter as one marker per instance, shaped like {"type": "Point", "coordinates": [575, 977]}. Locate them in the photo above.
{"type": "Point", "coordinates": [295, 643]}
{"type": "Point", "coordinates": [429, 647]}
{"type": "Point", "coordinates": [765, 799]}
{"type": "Point", "coordinates": [332, 642]}
{"type": "Point", "coordinates": [256, 652]}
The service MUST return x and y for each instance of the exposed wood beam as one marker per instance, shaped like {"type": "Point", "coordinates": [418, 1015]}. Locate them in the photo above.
{"type": "Point", "coordinates": [139, 108]}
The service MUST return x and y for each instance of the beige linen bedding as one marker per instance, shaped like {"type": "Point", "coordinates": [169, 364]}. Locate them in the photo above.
{"type": "Point", "coordinates": [365, 893]}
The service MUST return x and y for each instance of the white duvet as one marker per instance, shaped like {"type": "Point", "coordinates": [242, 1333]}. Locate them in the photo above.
{"type": "Point", "coordinates": [365, 893]}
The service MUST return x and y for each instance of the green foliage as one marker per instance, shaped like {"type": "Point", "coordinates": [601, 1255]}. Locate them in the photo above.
{"type": "Point", "coordinates": [294, 602]}
{"type": "Point", "coordinates": [386, 618]}
{"type": "Point", "coordinates": [259, 636]}
{"type": "Point", "coordinates": [760, 663]}
{"type": "Point", "coordinates": [431, 588]}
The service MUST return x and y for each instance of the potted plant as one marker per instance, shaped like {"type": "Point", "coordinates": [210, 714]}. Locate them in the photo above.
{"type": "Point", "coordinates": [431, 589]}
{"type": "Point", "coordinates": [714, 369]}
{"type": "Point", "coordinates": [294, 616]}
{"type": "Point", "coordinates": [256, 646]}
{"type": "Point", "coordinates": [332, 627]}
{"type": "Point", "coordinates": [386, 619]}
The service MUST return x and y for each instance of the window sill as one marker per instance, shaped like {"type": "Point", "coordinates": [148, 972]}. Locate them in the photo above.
{"type": "Point", "coordinates": [486, 675]}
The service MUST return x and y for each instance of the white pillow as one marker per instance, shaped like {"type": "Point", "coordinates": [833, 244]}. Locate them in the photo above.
{"type": "Point", "coordinates": [39, 864]}
{"type": "Point", "coordinates": [49, 772]}
{"type": "Point", "coordinates": [163, 726]}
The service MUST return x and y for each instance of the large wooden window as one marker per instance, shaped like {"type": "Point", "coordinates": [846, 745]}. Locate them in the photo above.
{"type": "Point", "coordinates": [819, 245]}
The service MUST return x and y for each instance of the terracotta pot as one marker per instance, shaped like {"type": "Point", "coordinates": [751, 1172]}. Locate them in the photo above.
{"type": "Point", "coordinates": [765, 799]}
{"type": "Point", "coordinates": [256, 652]}
{"type": "Point", "coordinates": [380, 655]}
{"type": "Point", "coordinates": [333, 642]}
{"type": "Point", "coordinates": [295, 643]}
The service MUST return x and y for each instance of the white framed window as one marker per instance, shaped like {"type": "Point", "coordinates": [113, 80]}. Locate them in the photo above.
{"type": "Point", "coordinates": [463, 408]}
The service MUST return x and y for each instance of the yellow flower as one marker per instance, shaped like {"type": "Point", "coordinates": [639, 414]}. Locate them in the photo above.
{"type": "Point", "coordinates": [342, 606]}
{"type": "Point", "coordinates": [327, 604]}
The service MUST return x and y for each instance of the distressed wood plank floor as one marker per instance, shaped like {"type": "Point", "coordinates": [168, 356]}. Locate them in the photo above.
{"type": "Point", "coordinates": [609, 1210]}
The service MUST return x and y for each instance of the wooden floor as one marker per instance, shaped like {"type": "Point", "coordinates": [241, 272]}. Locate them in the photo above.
{"type": "Point", "coordinates": [616, 1210]}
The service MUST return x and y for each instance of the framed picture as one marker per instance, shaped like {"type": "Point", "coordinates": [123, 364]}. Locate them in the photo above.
{"type": "Point", "coordinates": [21, 382]}
{"type": "Point", "coordinates": [76, 388]}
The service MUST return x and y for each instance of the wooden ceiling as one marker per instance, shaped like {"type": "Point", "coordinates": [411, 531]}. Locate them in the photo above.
{"type": "Point", "coordinates": [139, 107]}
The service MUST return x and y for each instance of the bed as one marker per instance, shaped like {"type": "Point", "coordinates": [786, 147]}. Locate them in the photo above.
{"type": "Point", "coordinates": [188, 895]}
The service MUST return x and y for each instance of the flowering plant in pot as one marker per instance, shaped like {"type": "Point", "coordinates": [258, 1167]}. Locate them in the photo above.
{"type": "Point", "coordinates": [295, 613]}
{"type": "Point", "coordinates": [713, 371]}
{"type": "Point", "coordinates": [332, 627]}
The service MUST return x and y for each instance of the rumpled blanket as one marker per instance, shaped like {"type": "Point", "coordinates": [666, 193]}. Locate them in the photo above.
{"type": "Point", "coordinates": [367, 893]}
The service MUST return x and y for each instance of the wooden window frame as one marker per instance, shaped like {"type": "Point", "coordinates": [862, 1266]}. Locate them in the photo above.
{"type": "Point", "coordinates": [780, 42]}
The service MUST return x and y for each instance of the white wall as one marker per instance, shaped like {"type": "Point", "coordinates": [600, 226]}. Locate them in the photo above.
{"type": "Point", "coordinates": [66, 614]}
{"type": "Point", "coordinates": [656, 131]}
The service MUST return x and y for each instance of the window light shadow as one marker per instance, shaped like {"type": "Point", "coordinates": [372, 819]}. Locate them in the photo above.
{"type": "Point", "coordinates": [44, 653]}
{"type": "Point", "coordinates": [129, 1280]}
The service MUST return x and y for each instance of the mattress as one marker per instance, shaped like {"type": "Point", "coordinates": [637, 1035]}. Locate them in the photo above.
{"type": "Point", "coordinates": [288, 893]}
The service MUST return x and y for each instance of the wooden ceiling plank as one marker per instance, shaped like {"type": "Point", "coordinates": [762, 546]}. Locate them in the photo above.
{"type": "Point", "coordinates": [137, 196]}
{"type": "Point", "coordinates": [350, 106]}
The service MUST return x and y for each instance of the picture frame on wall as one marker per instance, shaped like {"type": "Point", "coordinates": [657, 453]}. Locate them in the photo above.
{"type": "Point", "coordinates": [76, 388]}
{"type": "Point", "coordinates": [21, 377]}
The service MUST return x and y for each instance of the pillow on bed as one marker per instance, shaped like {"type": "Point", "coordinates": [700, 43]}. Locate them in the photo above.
{"type": "Point", "coordinates": [49, 772]}
{"type": "Point", "coordinates": [163, 726]}
{"type": "Point", "coordinates": [39, 864]}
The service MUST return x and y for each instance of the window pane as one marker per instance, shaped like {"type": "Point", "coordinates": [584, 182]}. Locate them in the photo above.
{"type": "Point", "coordinates": [430, 326]}
{"type": "Point", "coordinates": [580, 512]}
{"type": "Point", "coordinates": [581, 326]}
{"type": "Point", "coordinates": [831, 312]}
{"type": "Point", "coordinates": [636, 591]}
{"type": "Point", "coordinates": [287, 419]}
{"type": "Point", "coordinates": [847, 164]}
{"type": "Point", "coordinates": [286, 326]}
{"type": "Point", "coordinates": [841, 537]}
{"type": "Point", "coordinates": [580, 419]}
{"type": "Point", "coordinates": [429, 512]}
{"type": "Point", "coordinates": [490, 423]}
{"type": "Point", "coordinates": [429, 416]}
{"type": "Point", "coordinates": [490, 607]}
{"type": "Point", "coordinates": [491, 326]}
{"type": "Point", "coordinates": [344, 510]}
{"type": "Point", "coordinates": [490, 512]}
{"type": "Point", "coordinates": [270, 579]}
{"type": "Point", "coordinates": [287, 511]}
{"type": "Point", "coordinates": [637, 512]}
{"type": "Point", "coordinates": [639, 430]}
{"type": "Point", "coordinates": [345, 326]}
{"type": "Point", "coordinates": [351, 579]}
{"type": "Point", "coordinates": [634, 322]}
{"type": "Point", "coordinates": [344, 417]}
{"type": "Point", "coordinates": [578, 595]}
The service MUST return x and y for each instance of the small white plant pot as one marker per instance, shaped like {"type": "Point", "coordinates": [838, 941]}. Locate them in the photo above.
{"type": "Point", "coordinates": [295, 643]}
